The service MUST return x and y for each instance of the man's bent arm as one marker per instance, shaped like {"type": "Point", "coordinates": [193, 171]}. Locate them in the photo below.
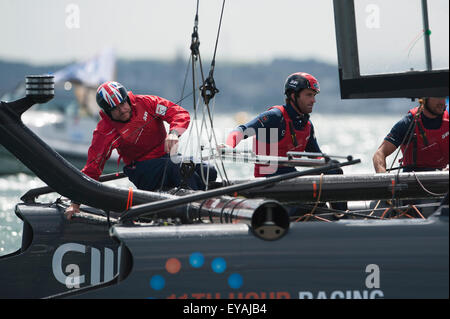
{"type": "Point", "coordinates": [379, 158]}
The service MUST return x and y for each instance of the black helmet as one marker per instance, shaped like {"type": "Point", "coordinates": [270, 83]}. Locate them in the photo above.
{"type": "Point", "coordinates": [300, 80]}
{"type": "Point", "coordinates": [109, 95]}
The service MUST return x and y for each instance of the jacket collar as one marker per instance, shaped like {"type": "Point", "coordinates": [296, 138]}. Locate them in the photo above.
{"type": "Point", "coordinates": [294, 116]}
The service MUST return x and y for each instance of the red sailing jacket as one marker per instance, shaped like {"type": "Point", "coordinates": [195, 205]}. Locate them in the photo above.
{"type": "Point", "coordinates": [293, 140]}
{"type": "Point", "coordinates": [139, 139]}
{"type": "Point", "coordinates": [428, 148]}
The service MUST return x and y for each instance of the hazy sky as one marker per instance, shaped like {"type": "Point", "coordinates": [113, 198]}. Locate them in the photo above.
{"type": "Point", "coordinates": [59, 31]}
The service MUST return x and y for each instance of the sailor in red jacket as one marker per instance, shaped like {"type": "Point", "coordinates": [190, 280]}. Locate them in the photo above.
{"type": "Point", "coordinates": [133, 125]}
{"type": "Point", "coordinates": [422, 135]}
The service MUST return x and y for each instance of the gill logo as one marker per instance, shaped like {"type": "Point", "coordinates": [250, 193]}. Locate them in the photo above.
{"type": "Point", "coordinates": [71, 275]}
{"type": "Point", "coordinates": [145, 116]}
{"type": "Point", "coordinates": [161, 110]}
{"type": "Point", "coordinates": [445, 135]}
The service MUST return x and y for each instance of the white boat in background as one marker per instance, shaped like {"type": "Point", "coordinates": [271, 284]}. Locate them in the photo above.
{"type": "Point", "coordinates": [66, 125]}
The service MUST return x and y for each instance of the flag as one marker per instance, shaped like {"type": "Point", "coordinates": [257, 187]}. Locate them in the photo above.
{"type": "Point", "coordinates": [92, 72]}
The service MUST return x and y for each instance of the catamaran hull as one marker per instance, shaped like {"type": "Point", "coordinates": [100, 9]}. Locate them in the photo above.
{"type": "Point", "coordinates": [353, 259]}
{"type": "Point", "coordinates": [54, 251]}
{"type": "Point", "coordinates": [346, 259]}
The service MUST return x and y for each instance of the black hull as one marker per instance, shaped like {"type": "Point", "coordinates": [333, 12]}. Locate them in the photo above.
{"type": "Point", "coordinates": [407, 258]}
{"type": "Point", "coordinates": [39, 269]}
{"type": "Point", "coordinates": [356, 187]}
{"type": "Point", "coordinates": [11, 165]}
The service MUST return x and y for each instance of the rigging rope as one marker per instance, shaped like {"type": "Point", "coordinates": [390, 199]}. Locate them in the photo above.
{"type": "Point", "coordinates": [409, 134]}
{"type": "Point", "coordinates": [208, 91]}
{"type": "Point", "coordinates": [426, 190]}
{"type": "Point", "coordinates": [316, 204]}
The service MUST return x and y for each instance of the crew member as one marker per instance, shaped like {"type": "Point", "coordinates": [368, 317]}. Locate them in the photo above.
{"type": "Point", "coordinates": [133, 125]}
{"type": "Point", "coordinates": [284, 128]}
{"type": "Point", "coordinates": [422, 135]}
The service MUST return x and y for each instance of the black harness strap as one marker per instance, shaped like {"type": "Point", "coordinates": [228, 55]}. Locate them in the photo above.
{"type": "Point", "coordinates": [293, 136]}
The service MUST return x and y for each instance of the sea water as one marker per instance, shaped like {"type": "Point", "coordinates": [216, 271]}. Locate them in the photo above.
{"type": "Point", "coordinates": [356, 135]}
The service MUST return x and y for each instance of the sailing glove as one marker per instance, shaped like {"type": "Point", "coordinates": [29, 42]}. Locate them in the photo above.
{"type": "Point", "coordinates": [235, 137]}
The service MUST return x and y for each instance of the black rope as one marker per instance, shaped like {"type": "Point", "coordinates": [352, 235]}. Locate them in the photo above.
{"type": "Point", "coordinates": [209, 88]}
{"type": "Point", "coordinates": [409, 134]}
{"type": "Point", "coordinates": [195, 43]}
{"type": "Point", "coordinates": [185, 81]}
{"type": "Point", "coordinates": [213, 63]}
